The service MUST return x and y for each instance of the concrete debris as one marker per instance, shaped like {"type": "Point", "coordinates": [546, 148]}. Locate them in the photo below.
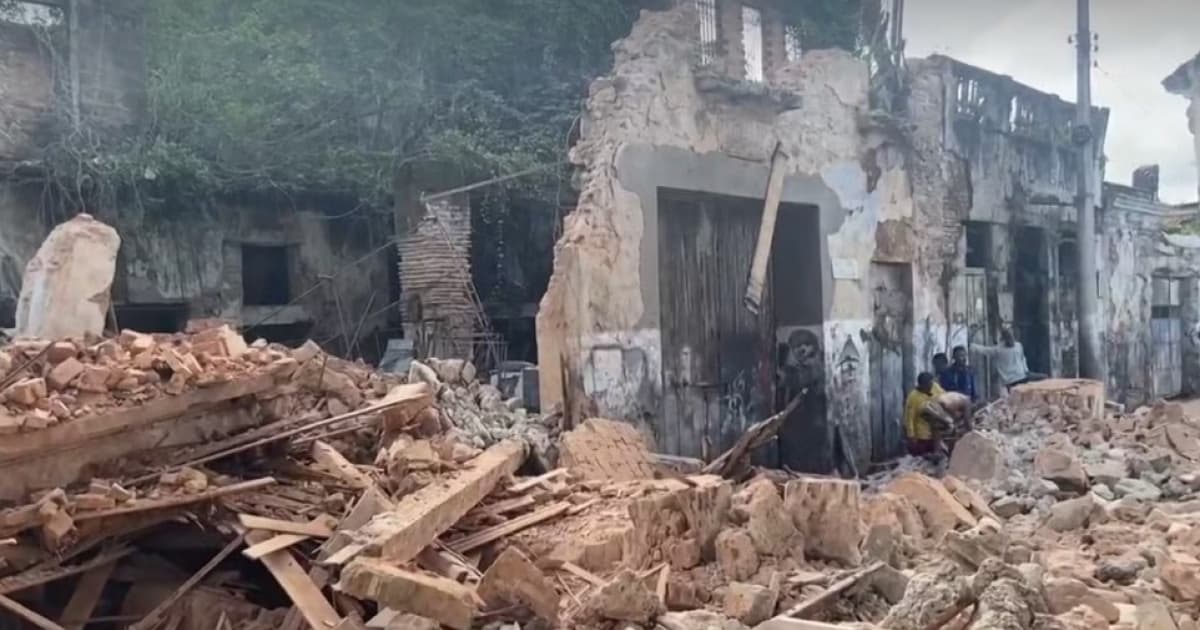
{"type": "Point", "coordinates": [828, 514]}
{"type": "Point", "coordinates": [977, 456]}
{"type": "Point", "coordinates": [625, 598]}
{"type": "Point", "coordinates": [749, 603]}
{"type": "Point", "coordinates": [604, 449]}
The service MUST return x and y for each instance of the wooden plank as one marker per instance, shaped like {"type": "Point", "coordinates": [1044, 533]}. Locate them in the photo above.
{"type": "Point", "coordinates": [86, 596]}
{"type": "Point", "coordinates": [316, 529]}
{"type": "Point", "coordinates": [483, 537]}
{"type": "Point", "coordinates": [300, 588]}
{"type": "Point", "coordinates": [177, 501]}
{"type": "Point", "coordinates": [421, 517]}
{"type": "Point", "coordinates": [29, 615]}
{"type": "Point", "coordinates": [527, 484]}
{"type": "Point", "coordinates": [757, 435]}
{"type": "Point", "coordinates": [660, 589]}
{"type": "Point", "coordinates": [271, 545]}
{"type": "Point", "coordinates": [333, 461]}
{"type": "Point", "coordinates": [404, 395]}
{"type": "Point", "coordinates": [38, 576]}
{"type": "Point", "coordinates": [834, 591]}
{"type": "Point", "coordinates": [152, 618]}
{"type": "Point", "coordinates": [501, 508]}
{"type": "Point", "coordinates": [580, 572]}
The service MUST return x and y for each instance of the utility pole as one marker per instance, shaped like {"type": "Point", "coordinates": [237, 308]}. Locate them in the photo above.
{"type": "Point", "coordinates": [1091, 363]}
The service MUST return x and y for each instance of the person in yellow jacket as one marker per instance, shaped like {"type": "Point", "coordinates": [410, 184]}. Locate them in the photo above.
{"type": "Point", "coordinates": [917, 432]}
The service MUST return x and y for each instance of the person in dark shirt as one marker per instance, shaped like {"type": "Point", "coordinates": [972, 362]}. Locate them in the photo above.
{"type": "Point", "coordinates": [958, 377]}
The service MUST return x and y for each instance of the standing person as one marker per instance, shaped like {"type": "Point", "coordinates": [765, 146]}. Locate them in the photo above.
{"type": "Point", "coordinates": [1009, 360]}
{"type": "Point", "coordinates": [940, 363]}
{"type": "Point", "coordinates": [958, 376]}
{"type": "Point", "coordinates": [917, 432]}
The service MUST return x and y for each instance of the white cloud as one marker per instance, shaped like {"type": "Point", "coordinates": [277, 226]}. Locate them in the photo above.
{"type": "Point", "coordinates": [1140, 43]}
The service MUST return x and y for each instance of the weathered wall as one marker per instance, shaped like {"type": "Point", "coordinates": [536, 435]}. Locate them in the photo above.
{"type": "Point", "coordinates": [1137, 250]}
{"type": "Point", "coordinates": [658, 122]}
{"type": "Point", "coordinates": [85, 65]}
{"type": "Point", "coordinates": [1186, 82]}
{"type": "Point", "coordinates": [995, 151]}
{"type": "Point", "coordinates": [196, 258]}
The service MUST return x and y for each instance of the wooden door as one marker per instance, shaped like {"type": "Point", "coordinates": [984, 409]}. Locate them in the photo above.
{"type": "Point", "coordinates": [1166, 331]}
{"type": "Point", "coordinates": [716, 354]}
{"type": "Point", "coordinates": [892, 369]}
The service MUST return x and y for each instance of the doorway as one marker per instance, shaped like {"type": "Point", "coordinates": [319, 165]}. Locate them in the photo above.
{"type": "Point", "coordinates": [717, 357]}
{"type": "Point", "coordinates": [1166, 331]}
{"type": "Point", "coordinates": [1031, 306]}
{"type": "Point", "coordinates": [892, 364]}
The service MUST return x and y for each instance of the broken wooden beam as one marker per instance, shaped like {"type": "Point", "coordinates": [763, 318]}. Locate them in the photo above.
{"type": "Point", "coordinates": [821, 600]}
{"type": "Point", "coordinates": [526, 484]}
{"type": "Point", "coordinates": [333, 461]}
{"type": "Point", "coordinates": [435, 597]}
{"type": "Point", "coordinates": [57, 456]}
{"type": "Point", "coordinates": [176, 501]}
{"type": "Point", "coordinates": [152, 618]}
{"type": "Point", "coordinates": [38, 575]}
{"type": "Point", "coordinates": [404, 395]}
{"type": "Point", "coordinates": [87, 594]}
{"type": "Point", "coordinates": [273, 544]}
{"type": "Point", "coordinates": [298, 586]}
{"type": "Point", "coordinates": [421, 517]}
{"type": "Point", "coordinates": [315, 529]}
{"type": "Point", "coordinates": [483, 537]}
{"type": "Point", "coordinates": [756, 436]}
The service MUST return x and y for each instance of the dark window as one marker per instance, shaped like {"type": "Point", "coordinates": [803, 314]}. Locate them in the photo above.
{"type": "Point", "coordinates": [265, 275]}
{"type": "Point", "coordinates": [979, 245]}
{"type": "Point", "coordinates": [152, 318]}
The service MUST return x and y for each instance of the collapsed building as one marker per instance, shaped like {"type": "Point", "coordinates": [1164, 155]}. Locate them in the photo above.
{"type": "Point", "coordinates": [907, 225]}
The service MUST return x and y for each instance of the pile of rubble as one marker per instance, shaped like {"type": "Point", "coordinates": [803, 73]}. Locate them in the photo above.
{"type": "Point", "coordinates": [208, 483]}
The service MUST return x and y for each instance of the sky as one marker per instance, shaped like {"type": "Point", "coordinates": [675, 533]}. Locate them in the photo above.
{"type": "Point", "coordinates": [1140, 43]}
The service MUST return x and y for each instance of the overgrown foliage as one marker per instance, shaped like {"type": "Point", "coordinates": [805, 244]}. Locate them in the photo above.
{"type": "Point", "coordinates": [289, 97]}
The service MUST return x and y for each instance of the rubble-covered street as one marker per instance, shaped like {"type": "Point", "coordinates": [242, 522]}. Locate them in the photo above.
{"type": "Point", "coordinates": [202, 482]}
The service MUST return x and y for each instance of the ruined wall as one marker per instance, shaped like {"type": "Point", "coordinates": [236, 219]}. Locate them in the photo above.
{"type": "Point", "coordinates": [1136, 251]}
{"type": "Point", "coordinates": [995, 151]}
{"type": "Point", "coordinates": [195, 258]}
{"type": "Point", "coordinates": [659, 123]}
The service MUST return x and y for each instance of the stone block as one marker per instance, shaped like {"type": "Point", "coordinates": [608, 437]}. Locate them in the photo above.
{"type": "Point", "coordinates": [939, 510]}
{"type": "Point", "coordinates": [94, 378]}
{"type": "Point", "coordinates": [65, 292]}
{"type": "Point", "coordinates": [769, 525]}
{"type": "Point", "coordinates": [1071, 514]}
{"type": "Point", "coordinates": [828, 515]}
{"type": "Point", "coordinates": [1107, 472]}
{"type": "Point", "coordinates": [1063, 594]}
{"type": "Point", "coordinates": [749, 603]}
{"type": "Point", "coordinates": [26, 392]}
{"type": "Point", "coordinates": [1153, 614]}
{"type": "Point", "coordinates": [1137, 489]}
{"type": "Point", "coordinates": [513, 579]}
{"type": "Point", "coordinates": [1180, 576]}
{"type": "Point", "coordinates": [1060, 465]}
{"type": "Point", "coordinates": [736, 554]}
{"type": "Point", "coordinates": [977, 456]}
{"type": "Point", "coordinates": [60, 351]}
{"type": "Point", "coordinates": [625, 598]}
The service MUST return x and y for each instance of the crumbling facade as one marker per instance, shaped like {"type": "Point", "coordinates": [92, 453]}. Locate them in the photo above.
{"type": "Point", "coordinates": [901, 233]}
